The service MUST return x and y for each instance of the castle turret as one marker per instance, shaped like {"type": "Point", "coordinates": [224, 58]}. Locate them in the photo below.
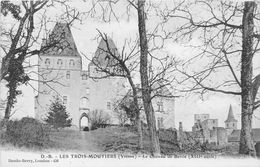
{"type": "Point", "coordinates": [104, 58]}
{"type": "Point", "coordinates": [231, 122]}
{"type": "Point", "coordinates": [59, 71]}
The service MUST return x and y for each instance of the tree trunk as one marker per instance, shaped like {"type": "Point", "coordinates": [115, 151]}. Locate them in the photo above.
{"type": "Point", "coordinates": [137, 114]}
{"type": "Point", "coordinates": [8, 110]}
{"type": "Point", "coordinates": [246, 142]}
{"type": "Point", "coordinates": [146, 96]}
{"type": "Point", "coordinates": [138, 122]}
{"type": "Point", "coordinates": [139, 130]}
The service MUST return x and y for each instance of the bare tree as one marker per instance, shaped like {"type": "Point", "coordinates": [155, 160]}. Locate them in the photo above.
{"type": "Point", "coordinates": [146, 92]}
{"type": "Point", "coordinates": [121, 65]}
{"type": "Point", "coordinates": [121, 114]}
{"type": "Point", "coordinates": [157, 78]}
{"type": "Point", "coordinates": [25, 22]}
{"type": "Point", "coordinates": [12, 64]}
{"type": "Point", "coordinates": [22, 41]}
{"type": "Point", "coordinates": [225, 31]}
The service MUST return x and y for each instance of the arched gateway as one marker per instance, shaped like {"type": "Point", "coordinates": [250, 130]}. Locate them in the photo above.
{"type": "Point", "coordinates": [84, 123]}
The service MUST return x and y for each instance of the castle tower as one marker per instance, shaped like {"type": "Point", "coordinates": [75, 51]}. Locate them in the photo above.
{"type": "Point", "coordinates": [106, 90]}
{"type": "Point", "coordinates": [103, 58]}
{"type": "Point", "coordinates": [59, 69]}
{"type": "Point", "coordinates": [231, 122]}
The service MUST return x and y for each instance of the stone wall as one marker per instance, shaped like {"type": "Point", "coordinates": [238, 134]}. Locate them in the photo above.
{"type": "Point", "coordinates": [222, 136]}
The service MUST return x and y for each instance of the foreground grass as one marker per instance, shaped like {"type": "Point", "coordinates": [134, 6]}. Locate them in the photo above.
{"type": "Point", "coordinates": [110, 139]}
{"type": "Point", "coordinates": [73, 140]}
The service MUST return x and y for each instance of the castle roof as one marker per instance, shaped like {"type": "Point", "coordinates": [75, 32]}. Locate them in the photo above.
{"type": "Point", "coordinates": [103, 53]}
{"type": "Point", "coordinates": [231, 117]}
{"type": "Point", "coordinates": [61, 42]}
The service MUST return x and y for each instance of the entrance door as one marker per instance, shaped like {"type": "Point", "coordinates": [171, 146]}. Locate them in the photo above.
{"type": "Point", "coordinates": [84, 122]}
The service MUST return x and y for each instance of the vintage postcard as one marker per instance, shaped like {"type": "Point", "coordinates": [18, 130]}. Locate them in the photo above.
{"type": "Point", "coordinates": [129, 83]}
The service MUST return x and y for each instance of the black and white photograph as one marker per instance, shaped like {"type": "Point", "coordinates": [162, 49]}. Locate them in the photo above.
{"type": "Point", "coordinates": [129, 83]}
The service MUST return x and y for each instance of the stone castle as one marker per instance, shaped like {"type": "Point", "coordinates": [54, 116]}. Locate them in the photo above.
{"type": "Point", "coordinates": [212, 133]}
{"type": "Point", "coordinates": [206, 130]}
{"type": "Point", "coordinates": [61, 74]}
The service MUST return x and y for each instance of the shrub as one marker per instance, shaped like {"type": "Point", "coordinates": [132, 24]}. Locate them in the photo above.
{"type": "Point", "coordinates": [121, 116]}
{"type": "Point", "coordinates": [58, 117]}
{"type": "Point", "coordinates": [2, 130]}
{"type": "Point", "coordinates": [3, 123]}
{"type": "Point", "coordinates": [168, 135]}
{"type": "Point", "coordinates": [98, 119]}
{"type": "Point", "coordinates": [27, 132]}
{"type": "Point", "coordinates": [129, 110]}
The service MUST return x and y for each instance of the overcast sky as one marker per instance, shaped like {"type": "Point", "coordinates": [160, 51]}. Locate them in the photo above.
{"type": "Point", "coordinates": [217, 105]}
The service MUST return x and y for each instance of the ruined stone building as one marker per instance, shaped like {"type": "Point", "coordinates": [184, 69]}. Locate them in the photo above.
{"type": "Point", "coordinates": [210, 131]}
{"type": "Point", "coordinates": [61, 74]}
{"type": "Point", "coordinates": [207, 130]}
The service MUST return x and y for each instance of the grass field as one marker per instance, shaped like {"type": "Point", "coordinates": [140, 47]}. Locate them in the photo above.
{"type": "Point", "coordinates": [100, 140]}
{"type": "Point", "coordinates": [110, 139]}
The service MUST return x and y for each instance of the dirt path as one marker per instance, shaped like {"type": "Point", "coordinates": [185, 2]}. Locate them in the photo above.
{"type": "Point", "coordinates": [91, 141]}
{"type": "Point", "coordinates": [71, 140]}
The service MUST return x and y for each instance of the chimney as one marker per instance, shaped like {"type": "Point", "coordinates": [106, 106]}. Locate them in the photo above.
{"type": "Point", "coordinates": [180, 127]}
{"type": "Point", "coordinates": [43, 42]}
{"type": "Point", "coordinates": [180, 135]}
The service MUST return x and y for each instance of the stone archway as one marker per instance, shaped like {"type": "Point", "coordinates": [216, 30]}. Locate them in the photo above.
{"type": "Point", "coordinates": [84, 122]}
